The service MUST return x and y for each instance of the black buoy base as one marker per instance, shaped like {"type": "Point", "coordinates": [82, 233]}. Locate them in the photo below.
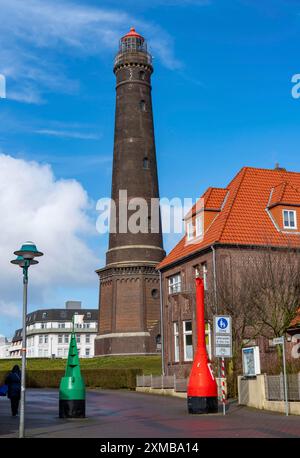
{"type": "Point", "coordinates": [202, 405]}
{"type": "Point", "coordinates": [72, 409]}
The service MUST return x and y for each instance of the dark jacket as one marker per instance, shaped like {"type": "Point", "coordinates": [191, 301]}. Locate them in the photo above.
{"type": "Point", "coordinates": [13, 381]}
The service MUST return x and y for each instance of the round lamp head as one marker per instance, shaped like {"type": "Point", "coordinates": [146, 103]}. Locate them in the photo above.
{"type": "Point", "coordinates": [28, 251]}
{"type": "Point", "coordinates": [21, 262]}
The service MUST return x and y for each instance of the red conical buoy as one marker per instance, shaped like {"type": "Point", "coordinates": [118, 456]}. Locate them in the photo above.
{"type": "Point", "coordinates": [202, 392]}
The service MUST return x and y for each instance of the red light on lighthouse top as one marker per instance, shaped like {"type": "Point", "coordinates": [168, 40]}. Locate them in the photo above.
{"type": "Point", "coordinates": [132, 42]}
{"type": "Point", "coordinates": [132, 33]}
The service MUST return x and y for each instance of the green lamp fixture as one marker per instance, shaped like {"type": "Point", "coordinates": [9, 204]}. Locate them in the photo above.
{"type": "Point", "coordinates": [28, 251]}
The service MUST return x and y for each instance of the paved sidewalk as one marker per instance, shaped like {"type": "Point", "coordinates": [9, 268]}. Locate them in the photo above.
{"type": "Point", "coordinates": [128, 414]}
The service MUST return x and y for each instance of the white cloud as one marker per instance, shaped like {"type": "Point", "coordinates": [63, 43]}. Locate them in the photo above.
{"type": "Point", "coordinates": [68, 134]}
{"type": "Point", "coordinates": [55, 215]}
{"type": "Point", "coordinates": [37, 36]}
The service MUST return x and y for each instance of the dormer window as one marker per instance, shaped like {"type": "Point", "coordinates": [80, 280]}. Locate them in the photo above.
{"type": "Point", "coordinates": [199, 226]}
{"type": "Point", "coordinates": [189, 230]}
{"type": "Point", "coordinates": [289, 219]}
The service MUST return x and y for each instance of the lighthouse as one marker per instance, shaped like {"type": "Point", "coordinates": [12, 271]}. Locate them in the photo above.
{"type": "Point", "coordinates": [129, 299]}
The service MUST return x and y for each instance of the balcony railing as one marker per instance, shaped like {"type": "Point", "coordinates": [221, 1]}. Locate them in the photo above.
{"type": "Point", "coordinates": [139, 56]}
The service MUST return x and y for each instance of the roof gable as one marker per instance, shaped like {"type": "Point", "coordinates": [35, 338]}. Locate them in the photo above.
{"type": "Point", "coordinates": [243, 219]}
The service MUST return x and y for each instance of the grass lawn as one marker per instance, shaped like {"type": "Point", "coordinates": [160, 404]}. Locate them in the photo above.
{"type": "Point", "coordinates": [149, 364]}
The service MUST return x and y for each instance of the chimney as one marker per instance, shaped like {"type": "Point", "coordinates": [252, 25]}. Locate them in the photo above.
{"type": "Point", "coordinates": [278, 168]}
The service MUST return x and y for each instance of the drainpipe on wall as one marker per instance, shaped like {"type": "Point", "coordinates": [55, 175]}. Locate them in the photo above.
{"type": "Point", "coordinates": [215, 278]}
{"type": "Point", "coordinates": [215, 295]}
{"type": "Point", "coordinates": [161, 325]}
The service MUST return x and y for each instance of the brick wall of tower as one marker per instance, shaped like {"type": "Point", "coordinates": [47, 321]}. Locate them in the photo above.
{"type": "Point", "coordinates": [129, 303]}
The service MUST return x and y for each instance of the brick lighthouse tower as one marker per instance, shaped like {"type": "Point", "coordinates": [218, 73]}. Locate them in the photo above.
{"type": "Point", "coordinates": [129, 300]}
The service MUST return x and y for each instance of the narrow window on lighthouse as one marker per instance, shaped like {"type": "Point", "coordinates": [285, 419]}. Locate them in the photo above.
{"type": "Point", "coordinates": [143, 105]}
{"type": "Point", "coordinates": [145, 163]}
{"type": "Point", "coordinates": [142, 75]}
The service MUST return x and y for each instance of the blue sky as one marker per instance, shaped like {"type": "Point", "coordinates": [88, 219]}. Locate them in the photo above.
{"type": "Point", "coordinates": [221, 96]}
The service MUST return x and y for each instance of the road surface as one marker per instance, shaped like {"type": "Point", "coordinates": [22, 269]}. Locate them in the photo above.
{"type": "Point", "coordinates": [125, 414]}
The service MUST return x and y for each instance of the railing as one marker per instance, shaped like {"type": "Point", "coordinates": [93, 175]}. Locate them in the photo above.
{"type": "Point", "coordinates": [157, 381]}
{"type": "Point", "coordinates": [140, 56]}
{"type": "Point", "coordinates": [171, 382]}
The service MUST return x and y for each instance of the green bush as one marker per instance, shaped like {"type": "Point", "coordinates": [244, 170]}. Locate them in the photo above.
{"type": "Point", "coordinates": [148, 364]}
{"type": "Point", "coordinates": [102, 378]}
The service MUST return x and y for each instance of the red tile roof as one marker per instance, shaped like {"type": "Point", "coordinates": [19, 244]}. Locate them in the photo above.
{"type": "Point", "coordinates": [296, 321]}
{"type": "Point", "coordinates": [212, 199]}
{"type": "Point", "coordinates": [284, 193]}
{"type": "Point", "coordinates": [243, 219]}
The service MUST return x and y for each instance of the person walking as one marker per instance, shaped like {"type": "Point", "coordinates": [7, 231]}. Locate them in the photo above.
{"type": "Point", "coordinates": [13, 381]}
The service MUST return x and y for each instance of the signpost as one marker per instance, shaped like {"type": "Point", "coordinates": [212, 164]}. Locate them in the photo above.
{"type": "Point", "coordinates": [281, 341]}
{"type": "Point", "coordinates": [223, 345]}
{"type": "Point", "coordinates": [222, 337]}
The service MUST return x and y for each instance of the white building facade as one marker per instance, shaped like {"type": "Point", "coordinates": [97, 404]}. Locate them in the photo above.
{"type": "Point", "coordinates": [49, 332]}
{"type": "Point", "coordinates": [4, 347]}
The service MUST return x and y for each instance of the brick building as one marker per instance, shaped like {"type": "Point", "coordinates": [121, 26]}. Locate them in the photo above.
{"type": "Point", "coordinates": [258, 209]}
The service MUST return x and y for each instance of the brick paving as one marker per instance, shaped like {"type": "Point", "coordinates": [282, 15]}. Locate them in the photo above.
{"type": "Point", "coordinates": [125, 414]}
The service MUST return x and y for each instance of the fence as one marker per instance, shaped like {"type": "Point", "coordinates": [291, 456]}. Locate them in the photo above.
{"type": "Point", "coordinates": [169, 382]}
{"type": "Point", "coordinates": [158, 382]}
{"type": "Point", "coordinates": [274, 386]}
{"type": "Point", "coordinates": [267, 392]}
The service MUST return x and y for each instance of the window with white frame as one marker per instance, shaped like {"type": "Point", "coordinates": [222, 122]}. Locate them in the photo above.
{"type": "Point", "coordinates": [66, 338]}
{"type": "Point", "coordinates": [204, 272]}
{"type": "Point", "coordinates": [61, 325]}
{"type": "Point", "coordinates": [187, 341]}
{"type": "Point", "coordinates": [87, 351]}
{"type": "Point", "coordinates": [60, 338]}
{"type": "Point", "coordinates": [201, 271]}
{"type": "Point", "coordinates": [176, 342]}
{"type": "Point", "coordinates": [199, 226]}
{"type": "Point", "coordinates": [87, 338]}
{"type": "Point", "coordinates": [78, 338]}
{"type": "Point", "coordinates": [59, 352]}
{"type": "Point", "coordinates": [40, 339]}
{"type": "Point", "coordinates": [208, 340]}
{"type": "Point", "coordinates": [189, 230]}
{"type": "Point", "coordinates": [174, 284]}
{"type": "Point", "coordinates": [45, 339]}
{"type": "Point", "coordinates": [289, 219]}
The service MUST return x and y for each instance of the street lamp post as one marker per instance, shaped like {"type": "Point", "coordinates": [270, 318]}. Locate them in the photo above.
{"type": "Point", "coordinates": [25, 259]}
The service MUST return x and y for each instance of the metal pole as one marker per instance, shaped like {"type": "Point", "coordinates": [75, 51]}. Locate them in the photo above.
{"type": "Point", "coordinates": [215, 296]}
{"type": "Point", "coordinates": [223, 386]}
{"type": "Point", "coordinates": [23, 373]}
{"type": "Point", "coordinates": [285, 378]}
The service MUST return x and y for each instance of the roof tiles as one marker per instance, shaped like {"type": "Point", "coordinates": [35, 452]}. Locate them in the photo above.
{"type": "Point", "coordinates": [244, 219]}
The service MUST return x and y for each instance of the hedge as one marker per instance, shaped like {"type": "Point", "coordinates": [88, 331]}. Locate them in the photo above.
{"type": "Point", "coordinates": [102, 378]}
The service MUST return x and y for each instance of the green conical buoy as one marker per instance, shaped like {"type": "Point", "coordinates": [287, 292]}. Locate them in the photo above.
{"type": "Point", "coordinates": [72, 387]}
